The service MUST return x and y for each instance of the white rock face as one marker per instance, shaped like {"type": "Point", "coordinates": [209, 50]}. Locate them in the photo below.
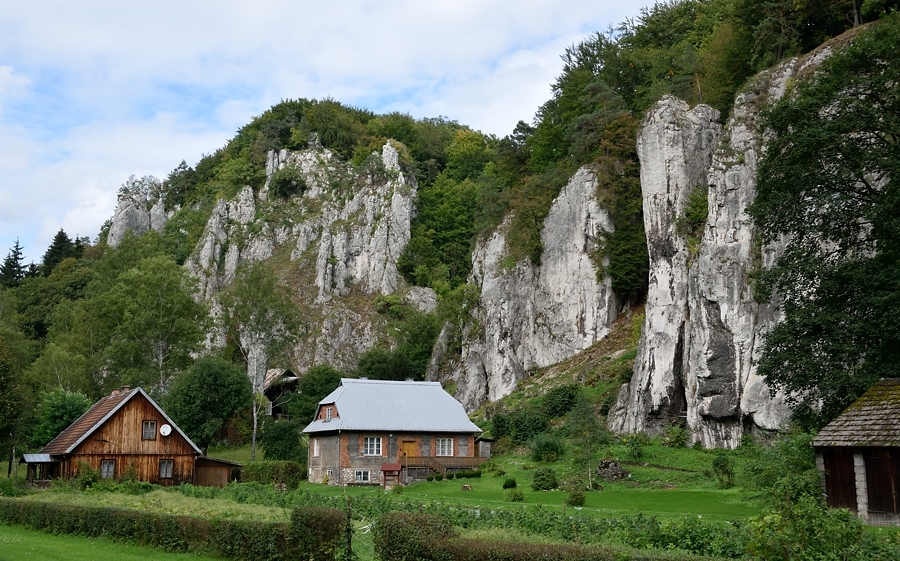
{"type": "Point", "coordinates": [347, 232]}
{"type": "Point", "coordinates": [533, 316]}
{"type": "Point", "coordinates": [128, 216]}
{"type": "Point", "coordinates": [703, 329]}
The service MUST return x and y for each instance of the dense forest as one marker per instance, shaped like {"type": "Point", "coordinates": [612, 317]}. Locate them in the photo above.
{"type": "Point", "coordinates": [89, 318]}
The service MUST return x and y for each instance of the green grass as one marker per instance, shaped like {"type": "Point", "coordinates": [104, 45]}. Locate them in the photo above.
{"type": "Point", "coordinates": [18, 543]}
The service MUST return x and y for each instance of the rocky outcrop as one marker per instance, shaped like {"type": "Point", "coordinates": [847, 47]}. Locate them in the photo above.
{"type": "Point", "coordinates": [343, 235]}
{"type": "Point", "coordinates": [530, 316]}
{"type": "Point", "coordinates": [703, 328]}
{"type": "Point", "coordinates": [136, 217]}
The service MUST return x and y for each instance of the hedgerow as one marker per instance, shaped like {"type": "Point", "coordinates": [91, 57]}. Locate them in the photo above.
{"type": "Point", "coordinates": [312, 534]}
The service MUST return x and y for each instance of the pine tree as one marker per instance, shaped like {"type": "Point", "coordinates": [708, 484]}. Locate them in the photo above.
{"type": "Point", "coordinates": [62, 247]}
{"type": "Point", "coordinates": [12, 271]}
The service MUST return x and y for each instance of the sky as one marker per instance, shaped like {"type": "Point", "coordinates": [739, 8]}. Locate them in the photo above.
{"type": "Point", "coordinates": [92, 92]}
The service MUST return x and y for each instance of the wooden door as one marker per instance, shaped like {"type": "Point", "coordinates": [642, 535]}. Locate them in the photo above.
{"type": "Point", "coordinates": [881, 480]}
{"type": "Point", "coordinates": [840, 479]}
{"type": "Point", "coordinates": [408, 448]}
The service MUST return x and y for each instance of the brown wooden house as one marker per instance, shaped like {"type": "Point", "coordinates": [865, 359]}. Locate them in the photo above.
{"type": "Point", "coordinates": [375, 432]}
{"type": "Point", "coordinates": [127, 431]}
{"type": "Point", "coordinates": [858, 455]}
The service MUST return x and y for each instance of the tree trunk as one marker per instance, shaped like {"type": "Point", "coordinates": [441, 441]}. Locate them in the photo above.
{"type": "Point", "coordinates": [253, 437]}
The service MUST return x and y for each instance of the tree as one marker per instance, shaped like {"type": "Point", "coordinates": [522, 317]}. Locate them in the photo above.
{"type": "Point", "coordinates": [589, 435]}
{"type": "Point", "coordinates": [318, 382]}
{"type": "Point", "coordinates": [10, 399]}
{"type": "Point", "coordinates": [56, 410]}
{"type": "Point", "coordinates": [830, 182]}
{"type": "Point", "coordinates": [158, 324]}
{"type": "Point", "coordinates": [281, 441]}
{"type": "Point", "coordinates": [62, 247]}
{"type": "Point", "coordinates": [12, 271]}
{"type": "Point", "coordinates": [205, 396]}
{"type": "Point", "coordinates": [259, 315]}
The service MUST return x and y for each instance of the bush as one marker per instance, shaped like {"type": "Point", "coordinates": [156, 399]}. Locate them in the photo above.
{"type": "Point", "coordinates": [451, 475]}
{"type": "Point", "coordinates": [407, 536]}
{"type": "Point", "coordinates": [546, 448]}
{"type": "Point", "coordinates": [286, 182]}
{"type": "Point", "coordinates": [438, 477]}
{"type": "Point", "coordinates": [271, 472]}
{"type": "Point", "coordinates": [87, 476]}
{"type": "Point", "coordinates": [515, 496]}
{"type": "Point", "coordinates": [10, 487]}
{"type": "Point", "coordinates": [500, 425]}
{"type": "Point", "coordinates": [510, 483]}
{"type": "Point", "coordinates": [675, 437]}
{"type": "Point", "coordinates": [525, 424]}
{"type": "Point", "coordinates": [281, 440]}
{"type": "Point", "coordinates": [543, 479]}
{"type": "Point", "coordinates": [575, 498]}
{"type": "Point", "coordinates": [311, 534]}
{"type": "Point", "coordinates": [429, 477]}
{"type": "Point", "coordinates": [723, 470]}
{"type": "Point", "coordinates": [559, 400]}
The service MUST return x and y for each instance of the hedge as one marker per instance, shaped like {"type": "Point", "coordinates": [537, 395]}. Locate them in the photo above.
{"type": "Point", "coordinates": [313, 533]}
{"type": "Point", "coordinates": [270, 472]}
{"type": "Point", "coordinates": [405, 536]}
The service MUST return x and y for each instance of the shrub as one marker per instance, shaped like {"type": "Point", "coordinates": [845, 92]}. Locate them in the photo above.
{"type": "Point", "coordinates": [316, 531]}
{"type": "Point", "coordinates": [407, 536]}
{"type": "Point", "coordinates": [559, 400]}
{"type": "Point", "coordinates": [675, 437]}
{"type": "Point", "coordinates": [270, 472]}
{"type": "Point", "coordinates": [525, 424]}
{"type": "Point", "coordinates": [451, 475]}
{"type": "Point", "coordinates": [723, 470]}
{"type": "Point", "coordinates": [397, 490]}
{"type": "Point", "coordinates": [546, 448]}
{"type": "Point", "coordinates": [10, 487]}
{"type": "Point", "coordinates": [438, 477]}
{"type": "Point", "coordinates": [500, 425]}
{"type": "Point", "coordinates": [634, 445]}
{"type": "Point", "coordinates": [543, 479]}
{"type": "Point", "coordinates": [429, 477]}
{"type": "Point", "coordinates": [286, 182]}
{"type": "Point", "coordinates": [575, 498]}
{"type": "Point", "coordinates": [510, 483]}
{"type": "Point", "coordinates": [515, 496]}
{"type": "Point", "coordinates": [87, 476]}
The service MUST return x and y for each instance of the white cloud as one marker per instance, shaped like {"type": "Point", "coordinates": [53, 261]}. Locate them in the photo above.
{"type": "Point", "coordinates": [93, 92]}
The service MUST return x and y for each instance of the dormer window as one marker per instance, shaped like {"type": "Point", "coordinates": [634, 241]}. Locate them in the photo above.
{"type": "Point", "coordinates": [328, 413]}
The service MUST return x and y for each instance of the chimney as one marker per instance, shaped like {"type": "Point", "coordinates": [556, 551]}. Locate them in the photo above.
{"type": "Point", "coordinates": [114, 393]}
{"type": "Point", "coordinates": [126, 389]}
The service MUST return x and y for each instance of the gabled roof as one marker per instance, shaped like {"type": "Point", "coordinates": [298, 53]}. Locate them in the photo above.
{"type": "Point", "coordinates": [872, 420]}
{"type": "Point", "coordinates": [76, 433]}
{"type": "Point", "coordinates": [380, 405]}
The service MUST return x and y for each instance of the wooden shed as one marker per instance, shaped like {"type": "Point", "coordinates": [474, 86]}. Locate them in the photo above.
{"type": "Point", "coordinates": [858, 455]}
{"type": "Point", "coordinates": [123, 433]}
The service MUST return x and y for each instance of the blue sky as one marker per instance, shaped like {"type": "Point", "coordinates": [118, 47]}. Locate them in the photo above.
{"type": "Point", "coordinates": [92, 92]}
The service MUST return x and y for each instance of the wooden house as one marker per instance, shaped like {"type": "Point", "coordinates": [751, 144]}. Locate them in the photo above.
{"type": "Point", "coordinates": [127, 432]}
{"type": "Point", "coordinates": [278, 386]}
{"type": "Point", "coordinates": [858, 455]}
{"type": "Point", "coordinates": [367, 430]}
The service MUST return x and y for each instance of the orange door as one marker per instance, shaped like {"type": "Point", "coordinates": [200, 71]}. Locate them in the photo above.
{"type": "Point", "coordinates": [408, 448]}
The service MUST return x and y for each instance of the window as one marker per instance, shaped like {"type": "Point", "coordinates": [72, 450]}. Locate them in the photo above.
{"type": "Point", "coordinates": [362, 476]}
{"type": "Point", "coordinates": [372, 446]}
{"type": "Point", "coordinates": [165, 469]}
{"type": "Point", "coordinates": [149, 431]}
{"type": "Point", "coordinates": [328, 413]}
{"type": "Point", "coordinates": [329, 473]}
{"type": "Point", "coordinates": [315, 447]}
{"type": "Point", "coordinates": [443, 447]}
{"type": "Point", "coordinates": [107, 469]}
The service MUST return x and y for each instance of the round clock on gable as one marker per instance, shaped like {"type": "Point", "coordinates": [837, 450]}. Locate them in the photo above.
{"type": "Point", "coordinates": [165, 430]}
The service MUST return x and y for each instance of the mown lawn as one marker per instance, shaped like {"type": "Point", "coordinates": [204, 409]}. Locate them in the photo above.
{"type": "Point", "coordinates": [18, 543]}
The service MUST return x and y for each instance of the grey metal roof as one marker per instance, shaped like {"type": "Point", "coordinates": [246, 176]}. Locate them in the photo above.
{"type": "Point", "coordinates": [380, 405]}
{"type": "Point", "coordinates": [871, 420]}
{"type": "Point", "coordinates": [37, 459]}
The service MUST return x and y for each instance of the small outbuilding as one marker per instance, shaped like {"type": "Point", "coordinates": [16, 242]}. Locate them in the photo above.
{"type": "Point", "coordinates": [858, 455]}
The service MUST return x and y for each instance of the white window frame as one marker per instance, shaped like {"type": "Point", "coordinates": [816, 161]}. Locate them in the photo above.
{"type": "Point", "coordinates": [328, 414]}
{"type": "Point", "coordinates": [166, 468]}
{"type": "Point", "coordinates": [315, 442]}
{"type": "Point", "coordinates": [362, 476]}
{"type": "Point", "coordinates": [372, 446]}
{"type": "Point", "coordinates": [107, 469]}
{"type": "Point", "coordinates": [329, 473]}
{"type": "Point", "coordinates": [443, 447]}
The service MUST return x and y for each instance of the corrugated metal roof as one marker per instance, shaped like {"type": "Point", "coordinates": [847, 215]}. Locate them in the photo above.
{"type": "Point", "coordinates": [37, 459]}
{"type": "Point", "coordinates": [93, 418]}
{"type": "Point", "coordinates": [393, 406]}
{"type": "Point", "coordinates": [872, 420]}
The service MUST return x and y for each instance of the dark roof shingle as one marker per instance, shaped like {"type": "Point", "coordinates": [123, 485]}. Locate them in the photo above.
{"type": "Point", "coordinates": [85, 424]}
{"type": "Point", "coordinates": [871, 420]}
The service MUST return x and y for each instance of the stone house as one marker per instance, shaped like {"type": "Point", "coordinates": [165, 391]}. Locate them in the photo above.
{"type": "Point", "coordinates": [858, 455]}
{"type": "Point", "coordinates": [366, 428]}
{"type": "Point", "coordinates": [126, 432]}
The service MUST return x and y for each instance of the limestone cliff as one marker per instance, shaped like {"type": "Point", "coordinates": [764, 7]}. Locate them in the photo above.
{"type": "Point", "coordinates": [703, 328]}
{"type": "Point", "coordinates": [530, 316]}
